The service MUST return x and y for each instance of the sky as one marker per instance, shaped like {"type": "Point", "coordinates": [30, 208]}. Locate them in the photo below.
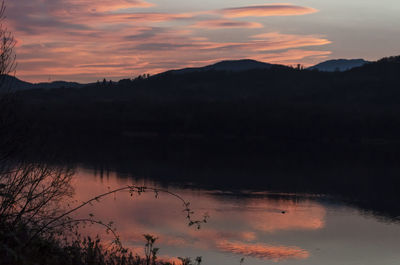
{"type": "Point", "coordinates": [88, 40]}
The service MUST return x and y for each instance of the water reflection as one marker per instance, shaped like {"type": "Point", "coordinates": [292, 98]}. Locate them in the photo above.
{"type": "Point", "coordinates": [262, 229]}
{"type": "Point", "coordinates": [263, 251]}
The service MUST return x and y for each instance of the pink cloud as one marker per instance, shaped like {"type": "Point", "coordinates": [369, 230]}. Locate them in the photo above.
{"type": "Point", "coordinates": [278, 41]}
{"type": "Point", "coordinates": [85, 40]}
{"type": "Point", "coordinates": [143, 17]}
{"type": "Point", "coordinates": [293, 57]}
{"type": "Point", "coordinates": [267, 10]}
{"type": "Point", "coordinates": [68, 7]}
{"type": "Point", "coordinates": [149, 50]}
{"type": "Point", "coordinates": [225, 23]}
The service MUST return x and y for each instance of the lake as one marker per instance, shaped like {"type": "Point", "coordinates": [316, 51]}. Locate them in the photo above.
{"type": "Point", "coordinates": [263, 226]}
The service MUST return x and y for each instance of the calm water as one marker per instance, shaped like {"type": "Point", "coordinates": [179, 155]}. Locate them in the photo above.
{"type": "Point", "coordinates": [262, 227]}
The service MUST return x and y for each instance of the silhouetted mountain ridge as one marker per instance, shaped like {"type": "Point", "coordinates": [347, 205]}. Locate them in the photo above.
{"type": "Point", "coordinates": [229, 65]}
{"type": "Point", "coordinates": [338, 65]}
{"type": "Point", "coordinates": [12, 83]}
{"type": "Point", "coordinates": [271, 81]}
{"type": "Point", "coordinates": [235, 66]}
{"type": "Point", "coordinates": [58, 84]}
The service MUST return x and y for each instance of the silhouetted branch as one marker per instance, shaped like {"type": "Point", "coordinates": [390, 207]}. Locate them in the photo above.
{"type": "Point", "coordinates": [132, 189]}
{"type": "Point", "coordinates": [7, 44]}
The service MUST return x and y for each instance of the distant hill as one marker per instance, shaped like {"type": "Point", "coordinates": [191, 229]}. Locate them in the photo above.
{"type": "Point", "coordinates": [12, 83]}
{"type": "Point", "coordinates": [229, 66]}
{"type": "Point", "coordinates": [59, 84]}
{"type": "Point", "coordinates": [338, 65]}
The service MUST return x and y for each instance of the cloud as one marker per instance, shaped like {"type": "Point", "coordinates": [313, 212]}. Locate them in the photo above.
{"type": "Point", "coordinates": [145, 50]}
{"type": "Point", "coordinates": [278, 41]}
{"type": "Point", "coordinates": [225, 23]}
{"type": "Point", "coordinates": [109, 5]}
{"type": "Point", "coordinates": [148, 51]}
{"type": "Point", "coordinates": [143, 17]}
{"type": "Point", "coordinates": [68, 7]}
{"type": "Point", "coordinates": [263, 251]}
{"type": "Point", "coordinates": [292, 56]}
{"type": "Point", "coordinates": [40, 16]}
{"type": "Point", "coordinates": [267, 11]}
{"type": "Point", "coordinates": [86, 40]}
{"type": "Point", "coordinates": [257, 43]}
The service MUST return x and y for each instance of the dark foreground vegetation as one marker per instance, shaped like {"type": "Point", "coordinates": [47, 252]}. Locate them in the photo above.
{"type": "Point", "coordinates": [36, 220]}
{"type": "Point", "coordinates": [37, 225]}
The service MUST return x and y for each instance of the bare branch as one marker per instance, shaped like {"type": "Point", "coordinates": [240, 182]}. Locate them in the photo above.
{"type": "Point", "coordinates": [131, 189]}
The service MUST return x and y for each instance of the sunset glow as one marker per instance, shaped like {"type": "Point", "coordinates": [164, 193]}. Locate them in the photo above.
{"type": "Point", "coordinates": [87, 40]}
{"type": "Point", "coordinates": [267, 10]}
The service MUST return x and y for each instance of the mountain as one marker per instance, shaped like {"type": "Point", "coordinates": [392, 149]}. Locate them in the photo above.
{"type": "Point", "coordinates": [338, 65]}
{"type": "Point", "coordinates": [59, 84]}
{"type": "Point", "coordinates": [233, 66]}
{"type": "Point", "coordinates": [12, 83]}
{"type": "Point", "coordinates": [228, 66]}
